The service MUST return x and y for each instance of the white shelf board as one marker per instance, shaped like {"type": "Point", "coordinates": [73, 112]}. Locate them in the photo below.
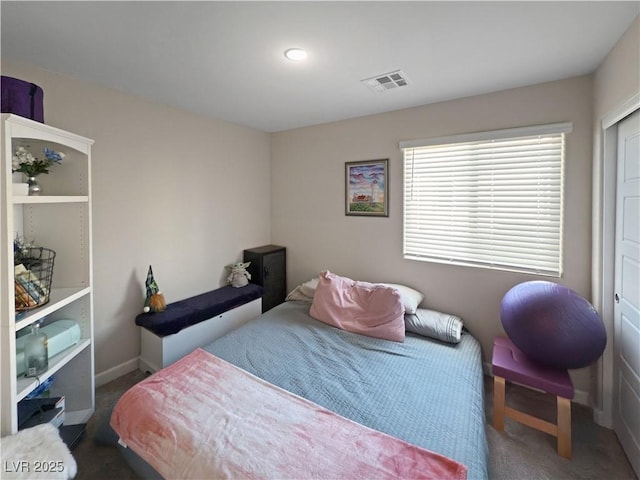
{"type": "Point", "coordinates": [26, 385]}
{"type": "Point", "coordinates": [26, 128]}
{"type": "Point", "coordinates": [26, 199]}
{"type": "Point", "coordinates": [75, 417]}
{"type": "Point", "coordinates": [58, 298]}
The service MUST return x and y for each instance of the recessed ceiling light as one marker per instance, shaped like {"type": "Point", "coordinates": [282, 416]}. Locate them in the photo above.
{"type": "Point", "coordinates": [295, 54]}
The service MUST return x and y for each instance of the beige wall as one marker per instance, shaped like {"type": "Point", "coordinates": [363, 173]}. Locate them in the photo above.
{"type": "Point", "coordinates": [616, 90]}
{"type": "Point", "coordinates": [618, 78]}
{"type": "Point", "coordinates": [180, 192]}
{"type": "Point", "coordinates": [164, 179]}
{"type": "Point", "coordinates": [308, 199]}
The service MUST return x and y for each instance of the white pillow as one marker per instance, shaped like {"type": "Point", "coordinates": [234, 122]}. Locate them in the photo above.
{"type": "Point", "coordinates": [309, 288]}
{"type": "Point", "coordinates": [410, 298]}
{"type": "Point", "coordinates": [429, 323]}
{"type": "Point", "coordinates": [303, 292]}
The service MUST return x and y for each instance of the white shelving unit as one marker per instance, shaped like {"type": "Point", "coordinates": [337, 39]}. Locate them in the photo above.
{"type": "Point", "coordinates": [60, 220]}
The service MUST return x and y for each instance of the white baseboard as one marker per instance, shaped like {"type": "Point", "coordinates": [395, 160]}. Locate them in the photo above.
{"type": "Point", "coordinates": [602, 419]}
{"type": "Point", "coordinates": [105, 377]}
{"type": "Point", "coordinates": [147, 367]}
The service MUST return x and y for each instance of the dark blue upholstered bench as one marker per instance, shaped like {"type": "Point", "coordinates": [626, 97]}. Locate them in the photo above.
{"type": "Point", "coordinates": [194, 322]}
{"type": "Point", "coordinates": [187, 312]}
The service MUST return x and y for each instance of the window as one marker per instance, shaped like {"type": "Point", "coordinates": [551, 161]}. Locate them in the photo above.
{"type": "Point", "coordinates": [488, 199]}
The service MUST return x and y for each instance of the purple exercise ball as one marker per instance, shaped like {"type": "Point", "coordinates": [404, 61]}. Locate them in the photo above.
{"type": "Point", "coordinates": [553, 325]}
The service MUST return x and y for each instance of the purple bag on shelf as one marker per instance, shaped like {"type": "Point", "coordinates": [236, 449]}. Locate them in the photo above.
{"type": "Point", "coordinates": [22, 98]}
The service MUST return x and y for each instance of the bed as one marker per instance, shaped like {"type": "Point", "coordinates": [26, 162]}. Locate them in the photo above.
{"type": "Point", "coordinates": [422, 391]}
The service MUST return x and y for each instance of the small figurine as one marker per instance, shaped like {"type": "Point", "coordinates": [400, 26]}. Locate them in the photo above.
{"type": "Point", "coordinates": [155, 300]}
{"type": "Point", "coordinates": [239, 277]}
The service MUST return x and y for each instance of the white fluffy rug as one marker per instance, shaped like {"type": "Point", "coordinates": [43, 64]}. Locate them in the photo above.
{"type": "Point", "coordinates": [36, 453]}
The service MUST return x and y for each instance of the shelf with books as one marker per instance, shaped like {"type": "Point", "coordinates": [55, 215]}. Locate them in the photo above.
{"type": "Point", "coordinates": [59, 220]}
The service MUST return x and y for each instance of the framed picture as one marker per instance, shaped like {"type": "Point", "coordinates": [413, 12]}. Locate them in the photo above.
{"type": "Point", "coordinates": [367, 188]}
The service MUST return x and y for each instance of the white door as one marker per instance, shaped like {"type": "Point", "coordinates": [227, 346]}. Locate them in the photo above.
{"type": "Point", "coordinates": [626, 369]}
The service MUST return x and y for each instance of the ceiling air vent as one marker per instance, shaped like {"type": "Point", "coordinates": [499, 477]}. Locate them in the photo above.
{"type": "Point", "coordinates": [386, 81]}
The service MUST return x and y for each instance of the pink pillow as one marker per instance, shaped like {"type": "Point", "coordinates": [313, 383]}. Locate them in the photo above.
{"type": "Point", "coordinates": [360, 307]}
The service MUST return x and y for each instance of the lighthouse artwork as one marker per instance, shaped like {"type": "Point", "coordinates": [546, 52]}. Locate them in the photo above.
{"type": "Point", "coordinates": [366, 186]}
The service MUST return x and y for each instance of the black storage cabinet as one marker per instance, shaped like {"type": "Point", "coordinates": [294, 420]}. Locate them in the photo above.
{"type": "Point", "coordinates": [269, 270]}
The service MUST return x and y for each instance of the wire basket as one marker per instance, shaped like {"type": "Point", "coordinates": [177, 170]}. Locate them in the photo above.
{"type": "Point", "coordinates": [33, 274]}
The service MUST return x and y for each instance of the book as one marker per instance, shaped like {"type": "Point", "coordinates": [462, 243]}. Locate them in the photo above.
{"type": "Point", "coordinates": [31, 284]}
{"type": "Point", "coordinates": [30, 288]}
{"type": "Point", "coordinates": [23, 299]}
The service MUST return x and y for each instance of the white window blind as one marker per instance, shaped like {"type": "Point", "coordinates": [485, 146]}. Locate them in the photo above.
{"type": "Point", "coordinates": [489, 199]}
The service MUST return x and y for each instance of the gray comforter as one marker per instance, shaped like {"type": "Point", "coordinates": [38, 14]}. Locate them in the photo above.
{"type": "Point", "coordinates": [423, 391]}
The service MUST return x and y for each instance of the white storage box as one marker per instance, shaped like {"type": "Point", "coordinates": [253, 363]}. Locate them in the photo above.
{"type": "Point", "coordinates": [61, 335]}
{"type": "Point", "coordinates": [159, 352]}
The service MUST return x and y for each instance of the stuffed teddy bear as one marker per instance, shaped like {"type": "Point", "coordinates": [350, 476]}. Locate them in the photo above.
{"type": "Point", "coordinates": [239, 276]}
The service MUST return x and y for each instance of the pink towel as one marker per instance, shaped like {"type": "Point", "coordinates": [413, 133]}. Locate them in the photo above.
{"type": "Point", "coordinates": [203, 417]}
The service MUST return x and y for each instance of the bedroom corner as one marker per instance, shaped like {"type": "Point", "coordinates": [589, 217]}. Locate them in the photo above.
{"type": "Point", "coordinates": [170, 188]}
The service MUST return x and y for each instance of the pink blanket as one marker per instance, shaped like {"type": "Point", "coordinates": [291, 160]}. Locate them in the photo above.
{"type": "Point", "coordinates": [204, 418]}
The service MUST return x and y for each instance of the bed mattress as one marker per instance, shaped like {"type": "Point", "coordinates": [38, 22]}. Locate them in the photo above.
{"type": "Point", "coordinates": [423, 391]}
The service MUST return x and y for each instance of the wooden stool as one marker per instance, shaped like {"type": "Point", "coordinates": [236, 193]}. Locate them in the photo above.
{"type": "Point", "coordinates": [510, 364]}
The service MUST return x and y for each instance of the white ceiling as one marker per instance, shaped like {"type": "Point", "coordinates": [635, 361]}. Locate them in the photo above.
{"type": "Point", "coordinates": [225, 59]}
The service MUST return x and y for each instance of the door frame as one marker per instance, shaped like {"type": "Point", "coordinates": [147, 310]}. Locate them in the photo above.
{"type": "Point", "coordinates": [603, 249]}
